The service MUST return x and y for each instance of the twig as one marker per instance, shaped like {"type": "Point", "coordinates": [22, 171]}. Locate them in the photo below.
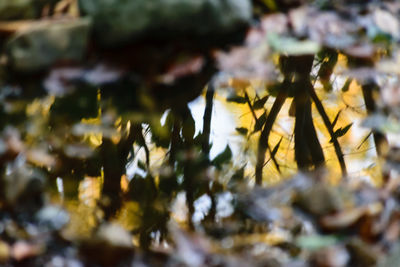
{"type": "Point", "coordinates": [207, 119]}
{"type": "Point", "coordinates": [328, 125]}
{"type": "Point", "coordinates": [380, 140]}
{"type": "Point", "coordinates": [269, 148]}
{"type": "Point", "coordinates": [263, 141]}
{"type": "Point", "coordinates": [142, 141]}
{"type": "Point", "coordinates": [175, 140]}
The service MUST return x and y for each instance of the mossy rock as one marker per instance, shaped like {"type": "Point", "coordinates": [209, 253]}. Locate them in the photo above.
{"type": "Point", "coordinates": [119, 21]}
{"type": "Point", "coordinates": [46, 43]}
{"type": "Point", "coordinates": [23, 9]}
{"type": "Point", "coordinates": [17, 9]}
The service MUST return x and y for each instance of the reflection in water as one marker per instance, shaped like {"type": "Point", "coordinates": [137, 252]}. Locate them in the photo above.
{"type": "Point", "coordinates": [202, 206]}
{"type": "Point", "coordinates": [357, 144]}
{"type": "Point", "coordinates": [223, 124]}
{"type": "Point", "coordinates": [60, 187]}
{"type": "Point", "coordinates": [345, 108]}
{"type": "Point", "coordinates": [224, 206]}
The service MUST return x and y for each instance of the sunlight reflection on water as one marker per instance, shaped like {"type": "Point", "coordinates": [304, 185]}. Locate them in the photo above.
{"type": "Point", "coordinates": [360, 157]}
{"type": "Point", "coordinates": [223, 126]}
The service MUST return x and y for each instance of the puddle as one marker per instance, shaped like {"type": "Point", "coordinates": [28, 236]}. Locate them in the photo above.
{"type": "Point", "coordinates": [234, 124]}
{"type": "Point", "coordinates": [359, 152]}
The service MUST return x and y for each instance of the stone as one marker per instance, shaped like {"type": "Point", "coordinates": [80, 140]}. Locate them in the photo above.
{"type": "Point", "coordinates": [52, 217]}
{"type": "Point", "coordinates": [319, 200]}
{"type": "Point", "coordinates": [23, 9]}
{"type": "Point", "coordinates": [17, 9]}
{"type": "Point", "coordinates": [118, 21]}
{"type": "Point", "coordinates": [110, 246]}
{"type": "Point", "coordinates": [47, 42]}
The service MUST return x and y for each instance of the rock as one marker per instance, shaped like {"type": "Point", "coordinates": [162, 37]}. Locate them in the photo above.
{"type": "Point", "coordinates": [52, 217]}
{"type": "Point", "coordinates": [17, 9]}
{"type": "Point", "coordinates": [23, 9]}
{"type": "Point", "coordinates": [114, 235]}
{"type": "Point", "coordinates": [335, 256]}
{"type": "Point", "coordinates": [319, 200]}
{"type": "Point", "coordinates": [46, 43]}
{"type": "Point", "coordinates": [362, 253]}
{"type": "Point", "coordinates": [118, 21]}
{"type": "Point", "coordinates": [24, 189]}
{"type": "Point", "coordinates": [393, 258]}
{"type": "Point", "coordinates": [110, 246]}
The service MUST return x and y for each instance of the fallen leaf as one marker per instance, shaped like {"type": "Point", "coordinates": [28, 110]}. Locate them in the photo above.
{"type": "Point", "coordinates": [387, 22]}
{"type": "Point", "coordinates": [41, 158]}
{"type": "Point", "coordinates": [182, 69]}
{"type": "Point", "coordinates": [191, 249]}
{"type": "Point", "coordinates": [5, 252]}
{"type": "Point", "coordinates": [22, 250]}
{"type": "Point", "coordinates": [342, 219]}
{"type": "Point", "coordinates": [334, 256]}
{"type": "Point", "coordinates": [11, 27]}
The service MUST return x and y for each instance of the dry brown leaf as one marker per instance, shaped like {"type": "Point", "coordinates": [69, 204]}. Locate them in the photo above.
{"type": "Point", "coordinates": [275, 23]}
{"type": "Point", "coordinates": [182, 69]}
{"type": "Point", "coordinates": [23, 250]}
{"type": "Point", "coordinates": [392, 232]}
{"type": "Point", "coordinates": [349, 217]}
{"type": "Point", "coordinates": [40, 158]}
{"type": "Point", "coordinates": [335, 256]}
{"type": "Point", "coordinates": [10, 27]}
{"type": "Point", "coordinates": [5, 252]}
{"type": "Point", "coordinates": [342, 219]}
{"type": "Point", "coordinates": [361, 51]}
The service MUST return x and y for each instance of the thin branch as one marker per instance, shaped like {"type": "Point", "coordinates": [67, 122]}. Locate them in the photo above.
{"type": "Point", "coordinates": [206, 144]}
{"type": "Point", "coordinates": [381, 143]}
{"type": "Point", "coordinates": [269, 148]}
{"type": "Point", "coordinates": [175, 140]}
{"type": "Point", "coordinates": [364, 140]}
{"type": "Point", "coordinates": [328, 125]}
{"type": "Point", "coordinates": [141, 139]}
{"type": "Point", "coordinates": [207, 119]}
{"type": "Point", "coordinates": [308, 150]}
{"type": "Point", "coordinates": [263, 141]}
